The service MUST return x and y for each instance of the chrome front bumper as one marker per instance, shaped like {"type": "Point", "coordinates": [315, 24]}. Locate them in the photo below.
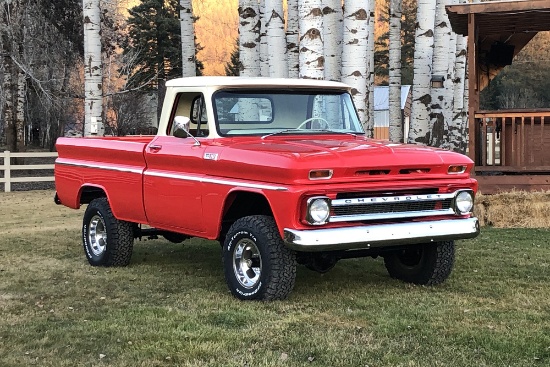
{"type": "Point", "coordinates": [380, 235]}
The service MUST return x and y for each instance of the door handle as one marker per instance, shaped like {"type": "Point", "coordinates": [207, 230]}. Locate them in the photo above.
{"type": "Point", "coordinates": [155, 147]}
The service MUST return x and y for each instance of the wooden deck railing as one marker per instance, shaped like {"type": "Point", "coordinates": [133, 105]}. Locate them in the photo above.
{"type": "Point", "coordinates": [7, 167]}
{"type": "Point", "coordinates": [516, 140]}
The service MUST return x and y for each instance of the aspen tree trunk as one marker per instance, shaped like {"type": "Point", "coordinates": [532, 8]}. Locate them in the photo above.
{"type": "Point", "coordinates": [7, 108]}
{"type": "Point", "coordinates": [21, 97]}
{"type": "Point", "coordinates": [7, 92]}
{"type": "Point", "coordinates": [453, 39]}
{"type": "Point", "coordinates": [419, 132]}
{"type": "Point", "coordinates": [332, 48]}
{"type": "Point", "coordinates": [276, 39]}
{"type": "Point", "coordinates": [369, 98]}
{"type": "Point", "coordinates": [93, 69]}
{"type": "Point", "coordinates": [293, 39]}
{"type": "Point", "coordinates": [2, 98]}
{"type": "Point", "coordinates": [450, 84]}
{"type": "Point", "coordinates": [20, 106]}
{"type": "Point", "coordinates": [189, 66]}
{"type": "Point", "coordinates": [249, 32]}
{"type": "Point", "coordinates": [264, 53]}
{"type": "Point", "coordinates": [440, 68]}
{"type": "Point", "coordinates": [456, 129]}
{"type": "Point", "coordinates": [312, 61]}
{"type": "Point", "coordinates": [332, 45]}
{"type": "Point", "coordinates": [354, 53]}
{"type": "Point", "coordinates": [13, 20]}
{"type": "Point", "coordinates": [395, 114]}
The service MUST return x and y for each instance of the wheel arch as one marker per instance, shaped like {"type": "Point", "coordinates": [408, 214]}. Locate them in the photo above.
{"type": "Point", "coordinates": [89, 192]}
{"type": "Point", "coordinates": [241, 203]}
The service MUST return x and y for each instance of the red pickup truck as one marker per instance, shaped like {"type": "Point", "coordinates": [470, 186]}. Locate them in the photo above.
{"type": "Point", "coordinates": [280, 173]}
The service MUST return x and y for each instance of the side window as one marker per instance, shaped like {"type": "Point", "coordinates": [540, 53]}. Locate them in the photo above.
{"type": "Point", "coordinates": [192, 106]}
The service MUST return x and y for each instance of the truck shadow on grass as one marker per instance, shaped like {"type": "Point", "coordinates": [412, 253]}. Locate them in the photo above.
{"type": "Point", "coordinates": [203, 260]}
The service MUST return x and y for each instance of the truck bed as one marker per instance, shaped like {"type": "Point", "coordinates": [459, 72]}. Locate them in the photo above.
{"type": "Point", "coordinates": [113, 164]}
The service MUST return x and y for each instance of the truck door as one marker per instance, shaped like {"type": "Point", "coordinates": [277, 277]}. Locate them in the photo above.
{"type": "Point", "coordinates": [172, 184]}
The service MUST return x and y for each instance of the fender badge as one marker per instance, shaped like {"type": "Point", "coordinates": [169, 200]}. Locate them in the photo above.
{"type": "Point", "coordinates": [211, 156]}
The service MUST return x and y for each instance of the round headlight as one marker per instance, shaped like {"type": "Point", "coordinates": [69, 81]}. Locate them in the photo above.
{"type": "Point", "coordinates": [464, 202]}
{"type": "Point", "coordinates": [318, 211]}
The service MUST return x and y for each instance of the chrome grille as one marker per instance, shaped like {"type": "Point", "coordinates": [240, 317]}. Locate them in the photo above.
{"type": "Point", "coordinates": [391, 207]}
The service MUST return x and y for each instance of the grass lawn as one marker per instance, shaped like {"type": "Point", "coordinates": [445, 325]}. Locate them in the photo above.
{"type": "Point", "coordinates": [171, 307]}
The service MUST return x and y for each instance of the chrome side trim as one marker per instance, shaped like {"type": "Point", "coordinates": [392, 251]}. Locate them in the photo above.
{"type": "Point", "coordinates": [179, 176]}
{"type": "Point", "coordinates": [380, 235]}
{"type": "Point", "coordinates": [98, 166]}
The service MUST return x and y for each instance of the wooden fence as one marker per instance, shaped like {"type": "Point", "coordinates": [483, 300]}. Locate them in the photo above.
{"type": "Point", "coordinates": [8, 167]}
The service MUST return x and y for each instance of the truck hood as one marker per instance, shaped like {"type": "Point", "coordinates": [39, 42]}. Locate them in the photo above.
{"type": "Point", "coordinates": [290, 159]}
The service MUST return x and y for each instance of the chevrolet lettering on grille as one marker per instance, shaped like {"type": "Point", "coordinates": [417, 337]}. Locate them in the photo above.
{"type": "Point", "coordinates": [390, 199]}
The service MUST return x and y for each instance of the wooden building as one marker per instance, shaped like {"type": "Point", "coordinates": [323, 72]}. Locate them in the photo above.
{"type": "Point", "coordinates": [511, 148]}
{"type": "Point", "coordinates": [382, 111]}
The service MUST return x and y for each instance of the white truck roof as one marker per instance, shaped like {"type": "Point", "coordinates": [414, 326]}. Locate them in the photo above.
{"type": "Point", "coordinates": [234, 81]}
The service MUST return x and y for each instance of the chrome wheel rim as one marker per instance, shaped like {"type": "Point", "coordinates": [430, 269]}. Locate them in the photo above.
{"type": "Point", "coordinates": [247, 263]}
{"type": "Point", "coordinates": [97, 235]}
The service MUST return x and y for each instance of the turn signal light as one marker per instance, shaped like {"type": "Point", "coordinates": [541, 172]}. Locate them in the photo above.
{"type": "Point", "coordinates": [456, 170]}
{"type": "Point", "coordinates": [320, 174]}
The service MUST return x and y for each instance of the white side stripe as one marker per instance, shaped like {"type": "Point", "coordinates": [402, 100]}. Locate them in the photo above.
{"type": "Point", "coordinates": [172, 175]}
{"type": "Point", "coordinates": [218, 181]}
{"type": "Point", "coordinates": [98, 166]}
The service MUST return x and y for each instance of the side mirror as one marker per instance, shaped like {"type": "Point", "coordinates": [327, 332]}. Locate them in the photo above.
{"type": "Point", "coordinates": [181, 128]}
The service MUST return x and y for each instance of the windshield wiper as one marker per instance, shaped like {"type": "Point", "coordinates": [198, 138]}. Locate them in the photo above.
{"type": "Point", "coordinates": [282, 132]}
{"type": "Point", "coordinates": [334, 131]}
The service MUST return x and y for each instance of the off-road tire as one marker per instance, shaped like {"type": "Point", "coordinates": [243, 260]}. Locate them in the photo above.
{"type": "Point", "coordinates": [107, 241]}
{"type": "Point", "coordinates": [277, 263]}
{"type": "Point", "coordinates": [425, 264]}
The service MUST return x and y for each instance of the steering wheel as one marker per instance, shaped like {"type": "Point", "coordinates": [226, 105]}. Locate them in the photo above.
{"type": "Point", "coordinates": [325, 122]}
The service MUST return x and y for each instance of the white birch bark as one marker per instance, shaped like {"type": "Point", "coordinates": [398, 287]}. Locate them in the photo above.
{"type": "Point", "coordinates": [423, 54]}
{"type": "Point", "coordinates": [276, 39]}
{"type": "Point", "coordinates": [93, 69]}
{"type": "Point", "coordinates": [249, 47]}
{"type": "Point", "coordinates": [442, 32]}
{"type": "Point", "coordinates": [395, 114]}
{"type": "Point", "coordinates": [2, 104]}
{"type": "Point", "coordinates": [332, 45]}
{"type": "Point", "coordinates": [311, 56]}
{"type": "Point", "coordinates": [264, 53]}
{"type": "Point", "coordinates": [369, 98]}
{"type": "Point", "coordinates": [189, 67]}
{"type": "Point", "coordinates": [354, 53]}
{"type": "Point", "coordinates": [7, 107]}
{"type": "Point", "coordinates": [20, 110]}
{"type": "Point", "coordinates": [293, 39]}
{"type": "Point", "coordinates": [456, 129]}
{"type": "Point", "coordinates": [450, 86]}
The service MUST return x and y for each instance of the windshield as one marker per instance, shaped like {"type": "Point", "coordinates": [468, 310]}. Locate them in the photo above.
{"type": "Point", "coordinates": [284, 111]}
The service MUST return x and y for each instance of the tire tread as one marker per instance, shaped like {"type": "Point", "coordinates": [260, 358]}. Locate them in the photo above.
{"type": "Point", "coordinates": [120, 235]}
{"type": "Point", "coordinates": [280, 281]}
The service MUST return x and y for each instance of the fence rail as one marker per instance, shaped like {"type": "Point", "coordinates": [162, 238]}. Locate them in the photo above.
{"type": "Point", "coordinates": [8, 167]}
